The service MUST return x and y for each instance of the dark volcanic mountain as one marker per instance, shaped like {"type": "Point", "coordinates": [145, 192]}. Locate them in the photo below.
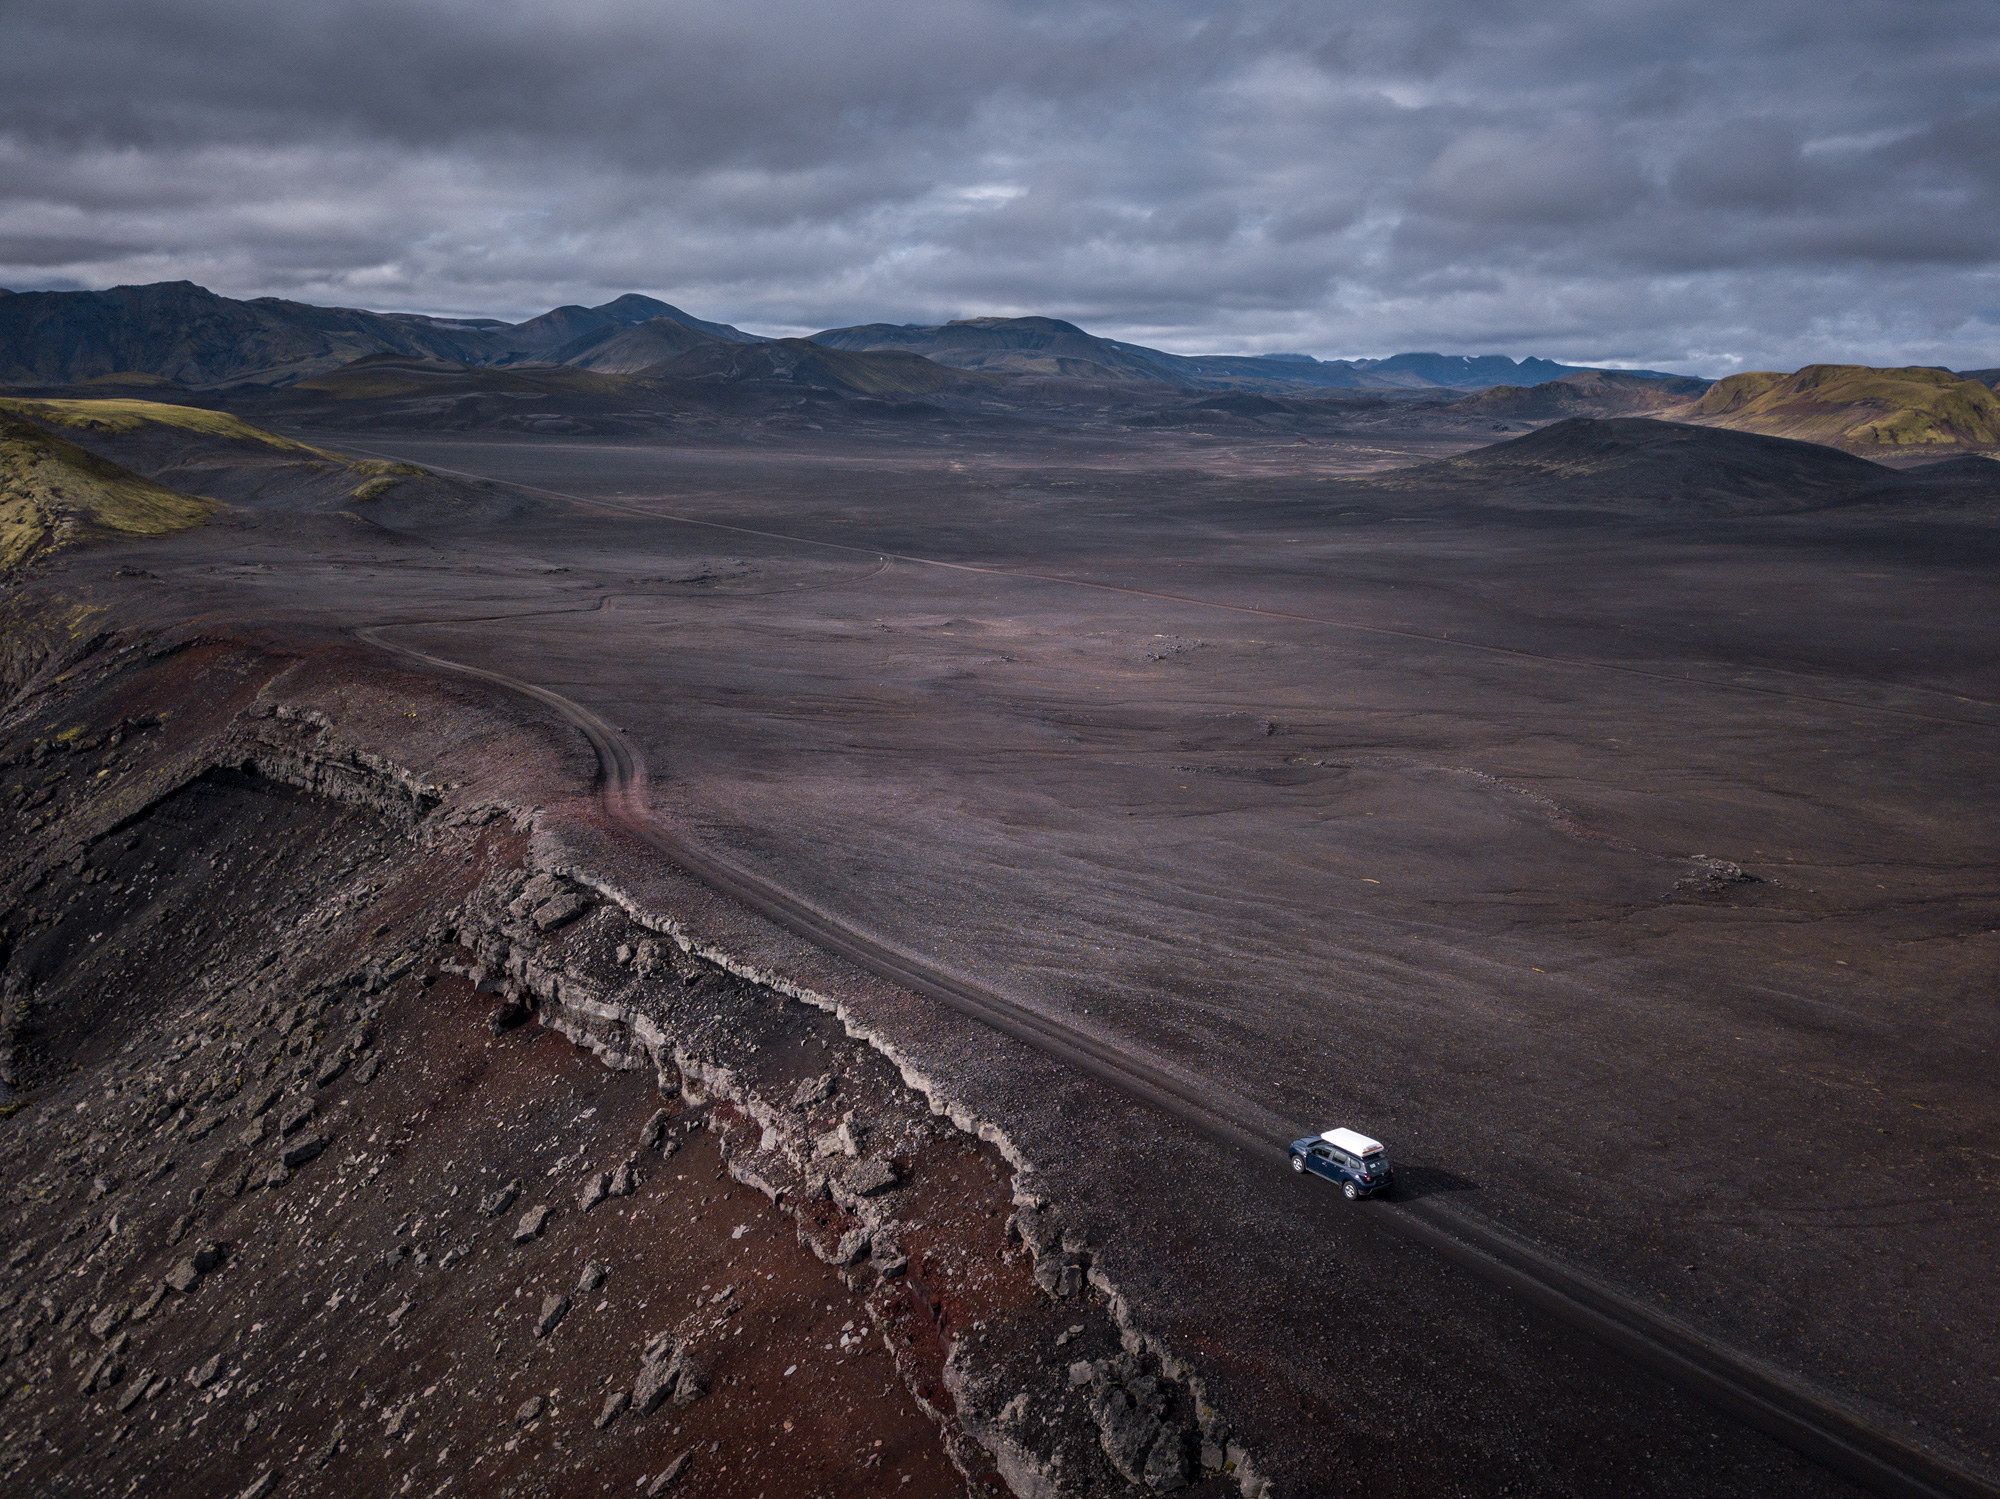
{"type": "Point", "coordinates": [563, 326]}
{"type": "Point", "coordinates": [797, 361]}
{"type": "Point", "coordinates": [181, 332]}
{"type": "Point", "coordinates": [614, 349]}
{"type": "Point", "coordinates": [185, 333]}
{"type": "Point", "coordinates": [1014, 346]}
{"type": "Point", "coordinates": [1049, 346]}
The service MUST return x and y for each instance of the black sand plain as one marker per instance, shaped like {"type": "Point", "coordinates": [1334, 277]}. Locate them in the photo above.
{"type": "Point", "coordinates": [1628, 867]}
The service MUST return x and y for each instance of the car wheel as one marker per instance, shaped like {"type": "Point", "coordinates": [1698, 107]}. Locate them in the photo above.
{"type": "Point", "coordinates": [1347, 1191]}
{"type": "Point", "coordinates": [1298, 1163]}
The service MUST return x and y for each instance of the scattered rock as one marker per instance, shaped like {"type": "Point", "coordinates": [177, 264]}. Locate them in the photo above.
{"type": "Point", "coordinates": [264, 1483]}
{"type": "Point", "coordinates": [506, 1017]}
{"type": "Point", "coordinates": [839, 1141]}
{"type": "Point", "coordinates": [530, 1226]}
{"type": "Point", "coordinates": [330, 1448]}
{"type": "Point", "coordinates": [106, 1322]}
{"type": "Point", "coordinates": [853, 1244]}
{"type": "Point", "coordinates": [614, 1406]}
{"type": "Point", "coordinates": [539, 888]}
{"type": "Point", "coordinates": [366, 1072]}
{"type": "Point", "coordinates": [301, 1150]}
{"type": "Point", "coordinates": [595, 1188]}
{"type": "Point", "coordinates": [554, 1309]}
{"type": "Point", "coordinates": [1061, 1278]}
{"type": "Point", "coordinates": [205, 1373]}
{"type": "Point", "coordinates": [103, 1374]}
{"type": "Point", "coordinates": [666, 1480]}
{"type": "Point", "coordinates": [528, 1410]}
{"type": "Point", "coordinates": [1167, 1464]}
{"type": "Point", "coordinates": [655, 1127]}
{"type": "Point", "coordinates": [623, 1180]}
{"type": "Point", "coordinates": [1712, 876]}
{"type": "Point", "coordinates": [813, 1090]}
{"type": "Point", "coordinates": [866, 1178]}
{"type": "Point", "coordinates": [666, 1371]}
{"type": "Point", "coordinates": [1130, 1410]}
{"type": "Point", "coordinates": [493, 1204]}
{"type": "Point", "coordinates": [296, 1115]}
{"type": "Point", "coordinates": [553, 913]}
{"type": "Point", "coordinates": [330, 1069]}
{"type": "Point", "coordinates": [592, 1277]}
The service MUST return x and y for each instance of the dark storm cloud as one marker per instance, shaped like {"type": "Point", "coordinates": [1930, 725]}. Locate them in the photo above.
{"type": "Point", "coordinates": [1705, 185]}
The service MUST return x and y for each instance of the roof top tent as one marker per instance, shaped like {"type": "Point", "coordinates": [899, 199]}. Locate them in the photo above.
{"type": "Point", "coordinates": [1352, 1143]}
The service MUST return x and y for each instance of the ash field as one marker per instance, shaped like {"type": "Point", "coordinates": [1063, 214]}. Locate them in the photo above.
{"type": "Point", "coordinates": [1073, 804]}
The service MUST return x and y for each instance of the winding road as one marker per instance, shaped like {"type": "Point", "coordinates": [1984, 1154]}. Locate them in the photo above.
{"type": "Point", "coordinates": [1809, 1420]}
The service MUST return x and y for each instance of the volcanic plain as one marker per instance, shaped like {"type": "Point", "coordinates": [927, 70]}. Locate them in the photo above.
{"type": "Point", "coordinates": [1607, 826]}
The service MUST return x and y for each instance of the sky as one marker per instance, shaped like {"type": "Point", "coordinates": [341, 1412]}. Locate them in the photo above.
{"type": "Point", "coordinates": [1706, 187]}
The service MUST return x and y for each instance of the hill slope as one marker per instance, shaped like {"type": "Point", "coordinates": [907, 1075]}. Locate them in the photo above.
{"type": "Point", "coordinates": [1855, 407]}
{"type": "Point", "coordinates": [213, 453]}
{"type": "Point", "coordinates": [1585, 393]}
{"type": "Point", "coordinates": [1645, 468]}
{"type": "Point", "coordinates": [54, 493]}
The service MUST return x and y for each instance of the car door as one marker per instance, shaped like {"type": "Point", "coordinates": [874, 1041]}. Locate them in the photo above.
{"type": "Point", "coordinates": [1319, 1160]}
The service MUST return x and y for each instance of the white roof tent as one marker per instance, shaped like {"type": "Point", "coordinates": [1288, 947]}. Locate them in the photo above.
{"type": "Point", "coordinates": [1352, 1143]}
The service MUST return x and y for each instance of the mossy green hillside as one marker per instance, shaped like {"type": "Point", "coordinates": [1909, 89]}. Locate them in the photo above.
{"type": "Point", "coordinates": [54, 493]}
{"type": "Point", "coordinates": [117, 416]}
{"type": "Point", "coordinates": [1852, 405]}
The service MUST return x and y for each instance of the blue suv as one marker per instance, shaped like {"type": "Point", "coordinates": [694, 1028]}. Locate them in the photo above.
{"type": "Point", "coordinates": [1356, 1164]}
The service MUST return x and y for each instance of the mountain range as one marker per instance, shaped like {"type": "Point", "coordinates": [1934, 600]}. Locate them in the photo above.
{"type": "Point", "coordinates": [185, 333]}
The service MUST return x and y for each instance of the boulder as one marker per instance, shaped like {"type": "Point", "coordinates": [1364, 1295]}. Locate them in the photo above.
{"type": "Point", "coordinates": [554, 1309]}
{"type": "Point", "coordinates": [301, 1150]}
{"type": "Point", "coordinates": [813, 1090]}
{"type": "Point", "coordinates": [530, 1226]}
{"type": "Point", "coordinates": [493, 1204]}
{"type": "Point", "coordinates": [867, 1177]}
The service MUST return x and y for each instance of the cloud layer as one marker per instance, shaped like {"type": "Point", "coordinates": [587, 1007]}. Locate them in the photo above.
{"type": "Point", "coordinates": [1705, 186]}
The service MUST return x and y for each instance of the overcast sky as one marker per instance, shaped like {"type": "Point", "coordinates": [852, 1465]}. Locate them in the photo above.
{"type": "Point", "coordinates": [1710, 187]}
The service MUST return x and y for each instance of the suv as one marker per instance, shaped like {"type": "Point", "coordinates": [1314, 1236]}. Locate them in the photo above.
{"type": "Point", "coordinates": [1359, 1165]}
